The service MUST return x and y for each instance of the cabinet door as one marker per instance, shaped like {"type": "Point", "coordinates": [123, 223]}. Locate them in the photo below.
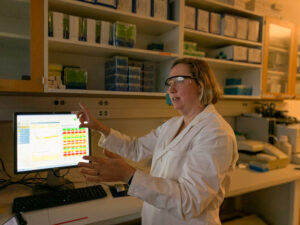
{"type": "Point", "coordinates": [21, 45]}
{"type": "Point", "coordinates": [297, 64]}
{"type": "Point", "coordinates": [278, 60]}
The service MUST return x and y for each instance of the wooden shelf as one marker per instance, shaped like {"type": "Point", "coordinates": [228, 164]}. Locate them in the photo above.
{"type": "Point", "coordinates": [95, 49]}
{"type": "Point", "coordinates": [215, 40]}
{"type": "Point", "coordinates": [104, 92]}
{"type": "Point", "coordinates": [230, 65]}
{"type": "Point", "coordinates": [277, 73]}
{"type": "Point", "coordinates": [15, 40]}
{"type": "Point", "coordinates": [250, 97]}
{"type": "Point", "coordinates": [278, 49]}
{"type": "Point", "coordinates": [146, 25]}
{"type": "Point", "coordinates": [217, 6]}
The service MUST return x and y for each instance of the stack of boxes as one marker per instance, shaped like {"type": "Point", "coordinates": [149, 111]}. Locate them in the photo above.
{"type": "Point", "coordinates": [154, 8]}
{"type": "Point", "coordinates": [116, 74]}
{"type": "Point", "coordinates": [223, 24]}
{"type": "Point", "coordinates": [74, 28]}
{"type": "Point", "coordinates": [234, 86]}
{"type": "Point", "coordinates": [148, 74]}
{"type": "Point", "coordinates": [54, 76]}
{"type": "Point", "coordinates": [190, 48]}
{"type": "Point", "coordinates": [70, 77]}
{"type": "Point", "coordinates": [237, 53]}
{"type": "Point", "coordinates": [124, 75]}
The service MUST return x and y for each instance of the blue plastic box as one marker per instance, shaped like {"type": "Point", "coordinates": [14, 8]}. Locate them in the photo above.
{"type": "Point", "coordinates": [233, 81]}
{"type": "Point", "coordinates": [117, 87]}
{"type": "Point", "coordinates": [116, 70]}
{"type": "Point", "coordinates": [116, 78]}
{"type": "Point", "coordinates": [134, 87]}
{"type": "Point", "coordinates": [237, 90]}
{"type": "Point", "coordinates": [116, 61]}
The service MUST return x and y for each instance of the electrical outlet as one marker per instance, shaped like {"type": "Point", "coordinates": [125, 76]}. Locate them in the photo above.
{"type": "Point", "coordinates": [106, 113]}
{"type": "Point", "coordinates": [103, 113]}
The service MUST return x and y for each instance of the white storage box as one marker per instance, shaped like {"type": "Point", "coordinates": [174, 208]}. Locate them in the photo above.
{"type": "Point", "coordinates": [190, 17]}
{"type": "Point", "coordinates": [125, 5]}
{"type": "Point", "coordinates": [91, 31]}
{"type": "Point", "coordinates": [105, 32]}
{"type": "Point", "coordinates": [253, 30]}
{"type": "Point", "coordinates": [241, 28]}
{"type": "Point", "coordinates": [159, 9]}
{"type": "Point", "coordinates": [74, 28]}
{"type": "Point", "coordinates": [231, 52]}
{"type": "Point", "coordinates": [142, 7]}
{"type": "Point", "coordinates": [254, 55]}
{"type": "Point", "coordinates": [228, 25]}
{"type": "Point", "coordinates": [202, 20]}
{"type": "Point", "coordinates": [215, 23]}
{"type": "Point", "coordinates": [58, 25]}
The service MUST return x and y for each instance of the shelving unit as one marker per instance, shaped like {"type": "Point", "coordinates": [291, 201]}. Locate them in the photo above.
{"type": "Point", "coordinates": [250, 73]}
{"type": "Point", "coordinates": [215, 40]}
{"type": "Point", "coordinates": [279, 58]}
{"type": "Point", "coordinates": [172, 33]}
{"type": "Point", "coordinates": [92, 56]}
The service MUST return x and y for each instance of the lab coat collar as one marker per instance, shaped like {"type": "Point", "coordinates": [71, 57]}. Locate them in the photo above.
{"type": "Point", "coordinates": [170, 141]}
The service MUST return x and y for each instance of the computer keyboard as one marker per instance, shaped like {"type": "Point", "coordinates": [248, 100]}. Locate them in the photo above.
{"type": "Point", "coordinates": [57, 198]}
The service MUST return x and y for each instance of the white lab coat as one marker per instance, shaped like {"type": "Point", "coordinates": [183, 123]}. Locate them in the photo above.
{"type": "Point", "coordinates": [190, 174]}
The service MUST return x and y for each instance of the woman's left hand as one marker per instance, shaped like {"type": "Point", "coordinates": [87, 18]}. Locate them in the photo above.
{"type": "Point", "coordinates": [110, 169]}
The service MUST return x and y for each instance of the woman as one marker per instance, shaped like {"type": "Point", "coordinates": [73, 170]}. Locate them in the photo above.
{"type": "Point", "coordinates": [192, 155]}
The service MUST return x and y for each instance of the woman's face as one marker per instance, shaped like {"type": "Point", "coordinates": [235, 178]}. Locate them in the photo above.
{"type": "Point", "coordinates": [184, 93]}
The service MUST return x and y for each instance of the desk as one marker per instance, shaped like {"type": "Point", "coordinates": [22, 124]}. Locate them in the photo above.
{"type": "Point", "coordinates": [273, 195]}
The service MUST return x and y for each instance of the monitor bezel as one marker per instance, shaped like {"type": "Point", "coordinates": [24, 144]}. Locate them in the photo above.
{"type": "Point", "coordinates": [15, 143]}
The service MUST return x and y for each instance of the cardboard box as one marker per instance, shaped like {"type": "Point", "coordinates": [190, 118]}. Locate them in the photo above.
{"type": "Point", "coordinates": [231, 52]}
{"type": "Point", "coordinates": [228, 25]}
{"type": "Point", "coordinates": [91, 30]}
{"type": "Point", "coordinates": [58, 25]}
{"type": "Point", "coordinates": [125, 5]}
{"type": "Point", "coordinates": [105, 32]}
{"type": "Point", "coordinates": [159, 9]}
{"type": "Point", "coordinates": [142, 7]}
{"type": "Point", "coordinates": [215, 23]}
{"type": "Point", "coordinates": [74, 28]}
{"type": "Point", "coordinates": [202, 20]}
{"type": "Point", "coordinates": [254, 55]}
{"type": "Point", "coordinates": [253, 30]}
{"type": "Point", "coordinates": [189, 17]}
{"type": "Point", "coordinates": [242, 28]}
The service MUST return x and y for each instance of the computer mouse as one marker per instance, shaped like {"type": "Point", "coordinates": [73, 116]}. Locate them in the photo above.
{"type": "Point", "coordinates": [120, 187]}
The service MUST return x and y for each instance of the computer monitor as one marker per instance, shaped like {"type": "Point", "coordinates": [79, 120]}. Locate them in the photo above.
{"type": "Point", "coordinates": [49, 141]}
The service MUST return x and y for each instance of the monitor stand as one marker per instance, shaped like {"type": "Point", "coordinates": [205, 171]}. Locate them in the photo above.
{"type": "Point", "coordinates": [55, 182]}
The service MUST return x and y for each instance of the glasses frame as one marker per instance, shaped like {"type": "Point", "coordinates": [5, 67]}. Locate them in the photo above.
{"type": "Point", "coordinates": [167, 86]}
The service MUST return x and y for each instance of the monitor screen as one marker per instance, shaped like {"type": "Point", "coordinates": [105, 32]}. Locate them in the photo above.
{"type": "Point", "coordinates": [45, 141]}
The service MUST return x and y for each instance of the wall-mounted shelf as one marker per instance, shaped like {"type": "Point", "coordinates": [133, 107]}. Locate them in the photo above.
{"type": "Point", "coordinates": [15, 40]}
{"type": "Point", "coordinates": [278, 49]}
{"type": "Point", "coordinates": [226, 64]}
{"type": "Point", "coordinates": [213, 40]}
{"type": "Point", "coordinates": [94, 49]}
{"type": "Point", "coordinates": [103, 92]}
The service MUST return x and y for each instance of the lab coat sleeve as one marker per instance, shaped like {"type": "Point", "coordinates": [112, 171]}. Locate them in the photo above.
{"type": "Point", "coordinates": [135, 149]}
{"type": "Point", "coordinates": [208, 162]}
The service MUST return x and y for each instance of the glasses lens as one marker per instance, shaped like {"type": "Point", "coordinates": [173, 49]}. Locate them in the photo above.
{"type": "Point", "coordinates": [176, 81]}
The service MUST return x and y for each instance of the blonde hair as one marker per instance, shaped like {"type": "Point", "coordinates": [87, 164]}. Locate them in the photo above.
{"type": "Point", "coordinates": [210, 91]}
